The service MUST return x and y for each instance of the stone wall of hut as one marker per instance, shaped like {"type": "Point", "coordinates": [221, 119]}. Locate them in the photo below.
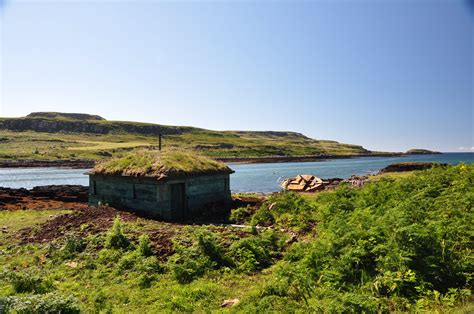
{"type": "Point", "coordinates": [156, 198]}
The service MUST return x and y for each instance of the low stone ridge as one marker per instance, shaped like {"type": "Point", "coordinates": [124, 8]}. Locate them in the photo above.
{"type": "Point", "coordinates": [51, 125]}
{"type": "Point", "coordinates": [409, 166]}
{"type": "Point", "coordinates": [74, 116]}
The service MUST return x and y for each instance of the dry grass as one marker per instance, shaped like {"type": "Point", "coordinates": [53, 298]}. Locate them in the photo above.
{"type": "Point", "coordinates": [95, 145]}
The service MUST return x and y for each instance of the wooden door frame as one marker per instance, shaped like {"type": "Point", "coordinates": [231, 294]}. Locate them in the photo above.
{"type": "Point", "coordinates": [182, 211]}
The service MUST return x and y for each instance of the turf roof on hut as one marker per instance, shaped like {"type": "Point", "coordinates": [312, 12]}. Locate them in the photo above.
{"type": "Point", "coordinates": [161, 165]}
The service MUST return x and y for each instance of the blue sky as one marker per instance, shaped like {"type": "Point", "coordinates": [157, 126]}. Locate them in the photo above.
{"type": "Point", "coordinates": [388, 75]}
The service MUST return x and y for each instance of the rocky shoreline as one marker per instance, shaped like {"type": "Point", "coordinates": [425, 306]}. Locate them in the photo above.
{"type": "Point", "coordinates": [28, 163]}
{"type": "Point", "coordinates": [410, 166]}
{"type": "Point", "coordinates": [86, 163]}
{"type": "Point", "coordinates": [44, 197]}
{"type": "Point", "coordinates": [281, 159]}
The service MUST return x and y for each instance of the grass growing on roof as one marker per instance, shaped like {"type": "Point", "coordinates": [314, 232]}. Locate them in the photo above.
{"type": "Point", "coordinates": [160, 164]}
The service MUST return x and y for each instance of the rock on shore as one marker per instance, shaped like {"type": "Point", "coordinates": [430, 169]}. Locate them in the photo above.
{"type": "Point", "coordinates": [67, 163]}
{"type": "Point", "coordinates": [409, 166]}
{"type": "Point", "coordinates": [52, 194]}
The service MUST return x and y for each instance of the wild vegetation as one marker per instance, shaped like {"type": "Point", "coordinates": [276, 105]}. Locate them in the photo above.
{"type": "Point", "coordinates": [52, 136]}
{"type": "Point", "coordinates": [400, 243]}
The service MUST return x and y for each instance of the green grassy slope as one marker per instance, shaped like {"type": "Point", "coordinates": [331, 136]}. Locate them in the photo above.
{"type": "Point", "coordinates": [399, 244]}
{"type": "Point", "coordinates": [62, 137]}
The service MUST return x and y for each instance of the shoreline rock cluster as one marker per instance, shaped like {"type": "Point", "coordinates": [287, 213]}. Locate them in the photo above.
{"type": "Point", "coordinates": [66, 163]}
{"type": "Point", "coordinates": [61, 193]}
{"type": "Point", "coordinates": [409, 166]}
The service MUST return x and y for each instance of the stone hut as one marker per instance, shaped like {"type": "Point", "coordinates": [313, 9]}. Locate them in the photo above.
{"type": "Point", "coordinates": [168, 185]}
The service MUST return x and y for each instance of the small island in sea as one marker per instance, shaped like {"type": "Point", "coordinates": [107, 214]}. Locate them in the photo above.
{"type": "Point", "coordinates": [421, 151]}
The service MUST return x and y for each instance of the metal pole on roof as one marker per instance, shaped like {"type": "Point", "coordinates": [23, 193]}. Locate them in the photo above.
{"type": "Point", "coordinates": [159, 141]}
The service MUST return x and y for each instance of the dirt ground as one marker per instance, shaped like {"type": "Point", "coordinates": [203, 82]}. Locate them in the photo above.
{"type": "Point", "coordinates": [85, 219]}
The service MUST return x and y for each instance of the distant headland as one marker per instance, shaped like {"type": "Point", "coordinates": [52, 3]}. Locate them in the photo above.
{"type": "Point", "coordinates": [57, 138]}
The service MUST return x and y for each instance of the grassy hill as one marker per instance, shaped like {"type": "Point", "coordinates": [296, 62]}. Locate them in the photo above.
{"type": "Point", "coordinates": [46, 136]}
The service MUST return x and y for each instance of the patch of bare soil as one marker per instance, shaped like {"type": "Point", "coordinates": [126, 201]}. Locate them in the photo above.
{"type": "Point", "coordinates": [162, 241]}
{"type": "Point", "coordinates": [84, 221]}
{"type": "Point", "coordinates": [93, 220]}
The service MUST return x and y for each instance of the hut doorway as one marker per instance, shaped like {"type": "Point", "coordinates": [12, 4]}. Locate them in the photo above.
{"type": "Point", "coordinates": [178, 201]}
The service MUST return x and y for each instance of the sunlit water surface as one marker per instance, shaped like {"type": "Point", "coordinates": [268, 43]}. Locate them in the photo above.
{"type": "Point", "coordinates": [247, 177]}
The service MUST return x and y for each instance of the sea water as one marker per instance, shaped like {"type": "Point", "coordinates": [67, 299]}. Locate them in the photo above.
{"type": "Point", "coordinates": [263, 177]}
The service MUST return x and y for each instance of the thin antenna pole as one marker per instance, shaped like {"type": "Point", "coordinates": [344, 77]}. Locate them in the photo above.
{"type": "Point", "coordinates": [159, 141]}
